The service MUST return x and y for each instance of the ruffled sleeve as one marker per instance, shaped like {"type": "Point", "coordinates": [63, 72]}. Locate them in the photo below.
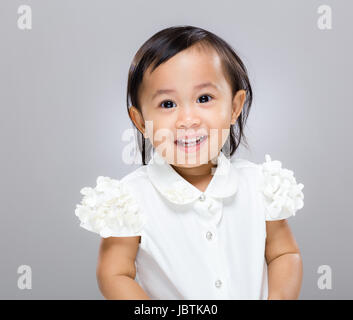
{"type": "Point", "coordinates": [110, 209]}
{"type": "Point", "coordinates": [281, 193]}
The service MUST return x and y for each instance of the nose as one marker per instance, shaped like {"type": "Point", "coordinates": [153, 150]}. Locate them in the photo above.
{"type": "Point", "coordinates": [187, 118]}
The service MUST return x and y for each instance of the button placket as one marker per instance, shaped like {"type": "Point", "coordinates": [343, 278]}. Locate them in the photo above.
{"type": "Point", "coordinates": [219, 275]}
{"type": "Point", "coordinates": [210, 211]}
{"type": "Point", "coordinates": [220, 280]}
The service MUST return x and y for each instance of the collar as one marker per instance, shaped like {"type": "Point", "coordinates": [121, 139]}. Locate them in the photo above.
{"type": "Point", "coordinates": [176, 189]}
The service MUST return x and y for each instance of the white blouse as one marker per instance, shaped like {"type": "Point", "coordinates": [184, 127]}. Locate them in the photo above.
{"type": "Point", "coordinates": [194, 244]}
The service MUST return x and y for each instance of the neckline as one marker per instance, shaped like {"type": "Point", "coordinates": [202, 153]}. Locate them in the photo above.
{"type": "Point", "coordinates": [209, 186]}
{"type": "Point", "coordinates": [176, 189]}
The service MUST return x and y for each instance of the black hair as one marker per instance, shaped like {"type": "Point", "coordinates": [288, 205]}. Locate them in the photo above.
{"type": "Point", "coordinates": [168, 42]}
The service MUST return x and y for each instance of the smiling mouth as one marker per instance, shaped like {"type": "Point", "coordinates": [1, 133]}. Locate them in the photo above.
{"type": "Point", "coordinates": [190, 142]}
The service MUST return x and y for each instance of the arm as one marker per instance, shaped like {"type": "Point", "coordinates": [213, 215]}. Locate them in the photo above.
{"type": "Point", "coordinates": [116, 269]}
{"type": "Point", "coordinates": [285, 270]}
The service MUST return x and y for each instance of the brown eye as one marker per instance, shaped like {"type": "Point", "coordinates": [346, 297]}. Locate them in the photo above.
{"type": "Point", "coordinates": [205, 95]}
{"type": "Point", "coordinates": [168, 104]}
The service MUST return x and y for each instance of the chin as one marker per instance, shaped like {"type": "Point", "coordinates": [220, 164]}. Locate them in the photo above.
{"type": "Point", "coordinates": [192, 160]}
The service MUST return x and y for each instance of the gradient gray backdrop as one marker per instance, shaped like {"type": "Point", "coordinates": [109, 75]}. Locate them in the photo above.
{"type": "Point", "coordinates": [63, 111]}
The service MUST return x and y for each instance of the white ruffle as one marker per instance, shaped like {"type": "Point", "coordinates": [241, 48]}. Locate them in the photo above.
{"type": "Point", "coordinates": [109, 209]}
{"type": "Point", "coordinates": [179, 192]}
{"type": "Point", "coordinates": [282, 194]}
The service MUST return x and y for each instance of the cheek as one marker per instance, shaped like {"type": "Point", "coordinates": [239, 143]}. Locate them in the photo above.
{"type": "Point", "coordinates": [218, 118]}
{"type": "Point", "coordinates": [219, 122]}
{"type": "Point", "coordinates": [162, 134]}
{"type": "Point", "coordinates": [225, 115]}
{"type": "Point", "coordinates": [157, 125]}
{"type": "Point", "coordinates": [221, 113]}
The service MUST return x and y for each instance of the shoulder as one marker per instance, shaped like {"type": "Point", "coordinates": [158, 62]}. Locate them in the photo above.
{"type": "Point", "coordinates": [280, 193]}
{"type": "Point", "coordinates": [248, 170]}
{"type": "Point", "coordinates": [110, 208]}
{"type": "Point", "coordinates": [242, 164]}
{"type": "Point", "coordinates": [135, 176]}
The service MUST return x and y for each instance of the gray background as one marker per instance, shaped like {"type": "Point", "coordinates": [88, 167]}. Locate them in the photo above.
{"type": "Point", "coordinates": [63, 111]}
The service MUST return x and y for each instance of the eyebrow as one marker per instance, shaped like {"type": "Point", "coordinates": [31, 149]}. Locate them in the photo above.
{"type": "Point", "coordinates": [199, 86]}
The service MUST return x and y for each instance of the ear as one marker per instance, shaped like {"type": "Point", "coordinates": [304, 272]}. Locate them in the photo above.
{"type": "Point", "coordinates": [238, 104]}
{"type": "Point", "coordinates": [137, 119]}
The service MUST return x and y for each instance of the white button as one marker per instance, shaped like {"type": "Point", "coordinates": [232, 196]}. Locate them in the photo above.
{"type": "Point", "coordinates": [202, 197]}
{"type": "Point", "coordinates": [209, 235]}
{"type": "Point", "coordinates": [218, 283]}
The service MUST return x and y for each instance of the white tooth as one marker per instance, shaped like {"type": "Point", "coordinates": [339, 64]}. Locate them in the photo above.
{"type": "Point", "coordinates": [191, 142]}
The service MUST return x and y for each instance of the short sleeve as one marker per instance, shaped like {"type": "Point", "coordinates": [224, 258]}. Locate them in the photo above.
{"type": "Point", "coordinates": [281, 194]}
{"type": "Point", "coordinates": [110, 209]}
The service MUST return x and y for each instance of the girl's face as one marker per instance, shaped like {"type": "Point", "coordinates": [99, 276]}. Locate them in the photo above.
{"type": "Point", "coordinates": [185, 97]}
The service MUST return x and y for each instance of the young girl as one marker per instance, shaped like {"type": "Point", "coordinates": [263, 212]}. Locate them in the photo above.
{"type": "Point", "coordinates": [192, 223]}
